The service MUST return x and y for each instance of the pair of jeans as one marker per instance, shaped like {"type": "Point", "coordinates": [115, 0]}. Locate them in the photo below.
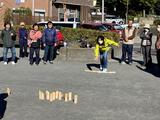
{"type": "Point", "coordinates": [23, 48]}
{"type": "Point", "coordinates": [49, 51]}
{"type": "Point", "coordinates": [37, 52]}
{"type": "Point", "coordinates": [146, 51]}
{"type": "Point", "coordinates": [104, 59]}
{"type": "Point", "coordinates": [127, 49]}
{"type": "Point", "coordinates": [5, 52]}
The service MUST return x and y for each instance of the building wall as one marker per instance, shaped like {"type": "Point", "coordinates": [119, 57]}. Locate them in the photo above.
{"type": "Point", "coordinates": [77, 2]}
{"type": "Point", "coordinates": [83, 6]}
{"type": "Point", "coordinates": [47, 6]}
{"type": "Point", "coordinates": [39, 4]}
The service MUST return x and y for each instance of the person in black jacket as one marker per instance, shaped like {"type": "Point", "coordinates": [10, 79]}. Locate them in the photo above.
{"type": "Point", "coordinates": [8, 38]}
{"type": "Point", "coordinates": [146, 44]}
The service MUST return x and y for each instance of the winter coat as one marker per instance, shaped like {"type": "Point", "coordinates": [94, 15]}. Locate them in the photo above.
{"type": "Point", "coordinates": [8, 37]}
{"type": "Point", "coordinates": [23, 34]}
{"type": "Point", "coordinates": [146, 38]}
{"type": "Point", "coordinates": [49, 36]}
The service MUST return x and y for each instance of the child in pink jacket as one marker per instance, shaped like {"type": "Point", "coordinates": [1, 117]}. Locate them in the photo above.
{"type": "Point", "coordinates": [34, 43]}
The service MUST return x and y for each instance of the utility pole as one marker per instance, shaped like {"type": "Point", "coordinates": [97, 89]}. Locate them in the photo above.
{"type": "Point", "coordinates": [127, 11]}
{"type": "Point", "coordinates": [32, 7]}
{"type": "Point", "coordinates": [65, 10]}
{"type": "Point", "coordinates": [102, 11]}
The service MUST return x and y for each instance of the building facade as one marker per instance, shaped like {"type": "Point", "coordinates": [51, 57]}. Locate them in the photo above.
{"type": "Point", "coordinates": [62, 10]}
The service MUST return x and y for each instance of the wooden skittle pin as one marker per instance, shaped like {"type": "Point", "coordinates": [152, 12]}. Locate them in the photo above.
{"type": "Point", "coordinates": [8, 91]}
{"type": "Point", "coordinates": [70, 96]}
{"type": "Point", "coordinates": [47, 95]}
{"type": "Point", "coordinates": [75, 99]}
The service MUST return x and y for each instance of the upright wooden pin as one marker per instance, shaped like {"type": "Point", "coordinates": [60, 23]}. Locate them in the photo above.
{"type": "Point", "coordinates": [40, 95]}
{"type": "Point", "coordinates": [60, 96]}
{"type": "Point", "coordinates": [51, 97]}
{"type": "Point", "coordinates": [66, 97]}
{"type": "Point", "coordinates": [8, 91]}
{"type": "Point", "coordinates": [75, 100]}
{"type": "Point", "coordinates": [70, 96]}
{"type": "Point", "coordinates": [57, 94]}
{"type": "Point", "coordinates": [47, 95]}
{"type": "Point", "coordinates": [54, 96]}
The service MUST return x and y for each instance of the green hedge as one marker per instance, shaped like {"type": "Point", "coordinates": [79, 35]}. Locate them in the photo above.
{"type": "Point", "coordinates": [157, 22]}
{"type": "Point", "coordinates": [73, 35]}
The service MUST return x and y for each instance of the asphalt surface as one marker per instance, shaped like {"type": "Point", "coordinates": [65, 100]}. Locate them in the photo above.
{"type": "Point", "coordinates": [131, 94]}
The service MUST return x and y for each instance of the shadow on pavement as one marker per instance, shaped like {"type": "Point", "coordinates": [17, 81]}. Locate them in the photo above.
{"type": "Point", "coordinates": [152, 69]}
{"type": "Point", "coordinates": [3, 104]}
{"type": "Point", "coordinates": [9, 59]}
{"type": "Point", "coordinates": [90, 66]}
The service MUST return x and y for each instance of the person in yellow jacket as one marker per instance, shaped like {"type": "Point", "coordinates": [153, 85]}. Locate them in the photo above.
{"type": "Point", "coordinates": [103, 45]}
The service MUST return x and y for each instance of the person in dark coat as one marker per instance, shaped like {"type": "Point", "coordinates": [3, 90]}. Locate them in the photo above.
{"type": "Point", "coordinates": [8, 38]}
{"type": "Point", "coordinates": [23, 35]}
{"type": "Point", "coordinates": [146, 43]}
{"type": "Point", "coordinates": [49, 40]}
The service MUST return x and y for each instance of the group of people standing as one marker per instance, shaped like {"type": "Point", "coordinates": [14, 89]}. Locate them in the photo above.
{"type": "Point", "coordinates": [32, 39]}
{"type": "Point", "coordinates": [128, 39]}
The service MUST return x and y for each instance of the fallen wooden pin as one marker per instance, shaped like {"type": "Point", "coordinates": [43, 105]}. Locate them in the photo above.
{"type": "Point", "coordinates": [8, 91]}
{"type": "Point", "coordinates": [97, 71]}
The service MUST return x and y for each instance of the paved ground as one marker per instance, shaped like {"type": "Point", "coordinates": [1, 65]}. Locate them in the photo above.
{"type": "Point", "coordinates": [130, 94]}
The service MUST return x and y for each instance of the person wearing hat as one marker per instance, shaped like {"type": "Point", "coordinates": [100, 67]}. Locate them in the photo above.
{"type": "Point", "coordinates": [157, 45]}
{"type": "Point", "coordinates": [49, 40]}
{"type": "Point", "coordinates": [146, 43]}
{"type": "Point", "coordinates": [23, 35]}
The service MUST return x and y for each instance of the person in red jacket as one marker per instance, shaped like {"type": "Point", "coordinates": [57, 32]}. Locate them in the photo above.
{"type": "Point", "coordinates": [60, 40]}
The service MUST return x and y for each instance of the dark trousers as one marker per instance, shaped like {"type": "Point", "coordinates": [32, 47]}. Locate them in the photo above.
{"type": "Point", "coordinates": [127, 50]}
{"type": "Point", "coordinates": [146, 51]}
{"type": "Point", "coordinates": [36, 51]}
{"type": "Point", "coordinates": [23, 49]}
{"type": "Point", "coordinates": [158, 57]}
{"type": "Point", "coordinates": [49, 51]}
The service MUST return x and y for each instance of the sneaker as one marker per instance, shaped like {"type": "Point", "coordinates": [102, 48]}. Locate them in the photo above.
{"type": "Point", "coordinates": [57, 52]}
{"type": "Point", "coordinates": [101, 67]}
{"type": "Point", "coordinates": [51, 62]}
{"type": "Point", "coordinates": [31, 63]}
{"type": "Point", "coordinates": [44, 62]}
{"type": "Point", "coordinates": [5, 63]}
{"type": "Point", "coordinates": [104, 70]}
{"type": "Point", "coordinates": [13, 63]}
{"type": "Point", "coordinates": [130, 63]}
{"type": "Point", "coordinates": [123, 63]}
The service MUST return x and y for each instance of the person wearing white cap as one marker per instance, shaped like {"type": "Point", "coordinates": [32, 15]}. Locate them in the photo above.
{"type": "Point", "coordinates": [146, 43]}
{"type": "Point", "coordinates": [23, 35]}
